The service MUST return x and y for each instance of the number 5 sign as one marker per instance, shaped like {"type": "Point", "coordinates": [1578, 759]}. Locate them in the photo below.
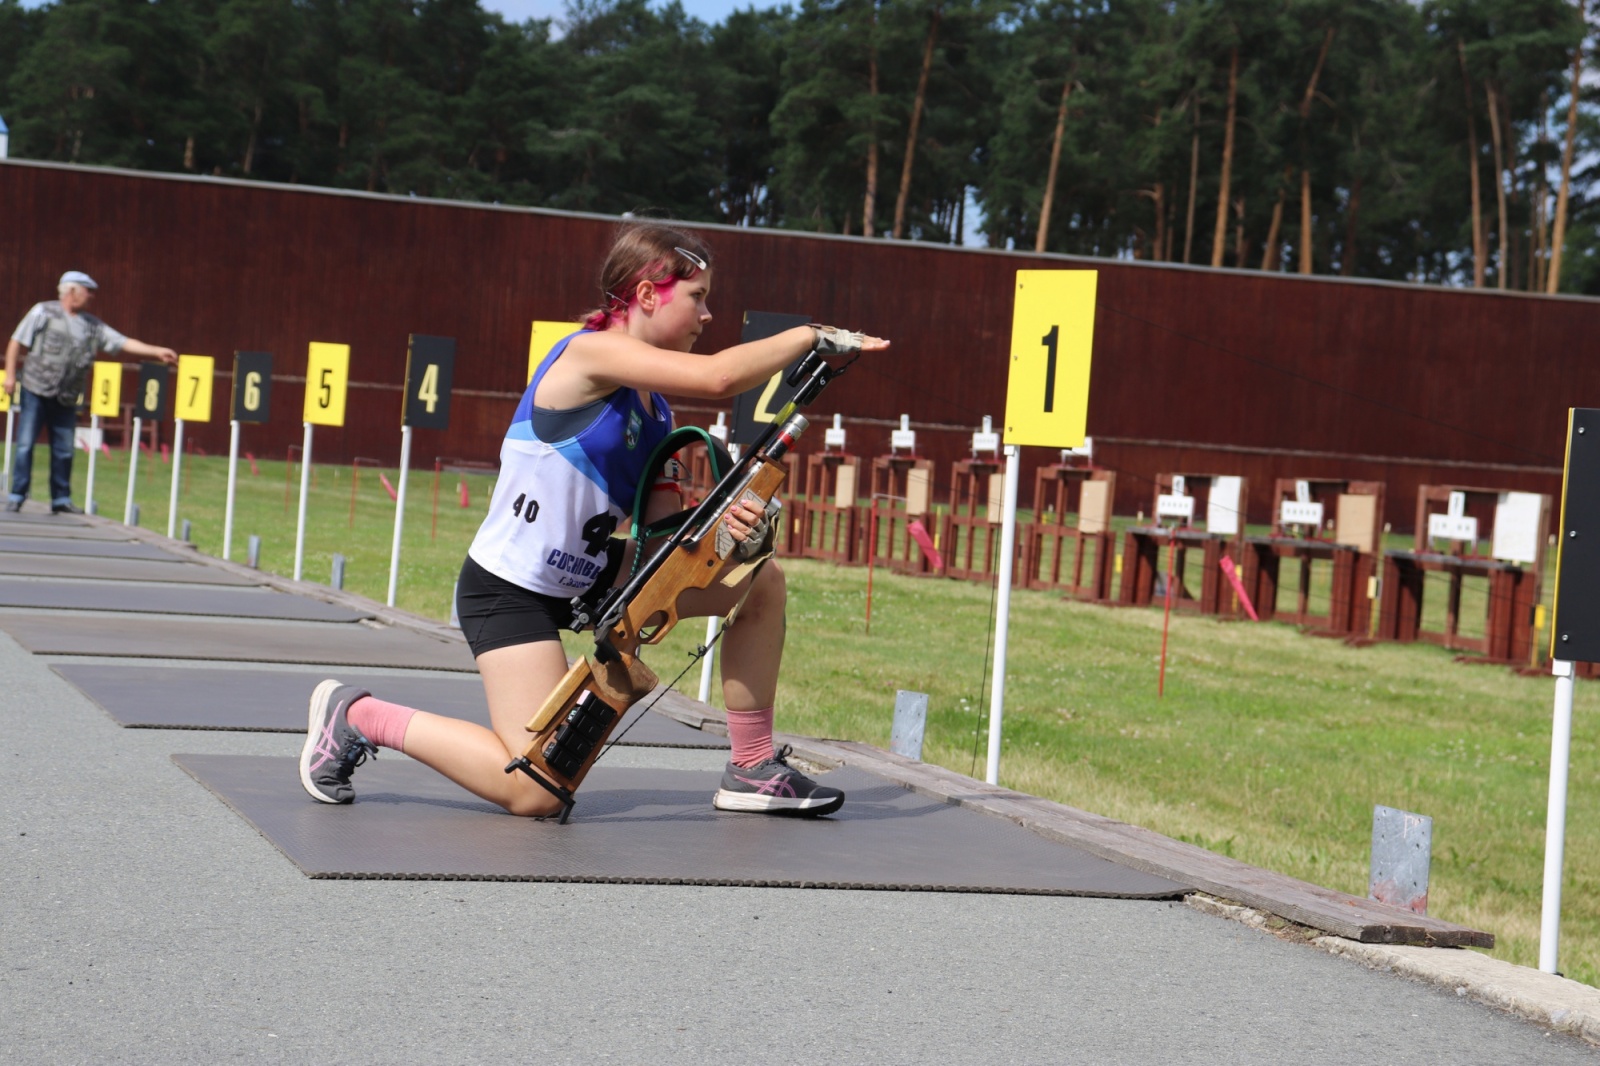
{"type": "Point", "coordinates": [1052, 338]}
{"type": "Point", "coordinates": [327, 376]}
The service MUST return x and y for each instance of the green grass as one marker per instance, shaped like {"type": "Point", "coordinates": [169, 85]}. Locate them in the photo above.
{"type": "Point", "coordinates": [1269, 746]}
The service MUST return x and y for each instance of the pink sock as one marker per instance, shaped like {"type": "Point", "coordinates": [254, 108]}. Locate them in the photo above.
{"type": "Point", "coordinates": [750, 733]}
{"type": "Point", "coordinates": [382, 723]}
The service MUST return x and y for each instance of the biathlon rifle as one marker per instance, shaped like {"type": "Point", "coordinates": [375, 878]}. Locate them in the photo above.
{"type": "Point", "coordinates": [571, 728]}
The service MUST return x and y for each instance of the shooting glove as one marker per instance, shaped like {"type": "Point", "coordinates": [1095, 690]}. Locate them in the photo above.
{"type": "Point", "coordinates": [834, 341]}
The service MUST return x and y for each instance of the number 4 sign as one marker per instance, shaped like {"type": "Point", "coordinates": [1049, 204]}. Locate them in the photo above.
{"type": "Point", "coordinates": [430, 367]}
{"type": "Point", "coordinates": [1052, 334]}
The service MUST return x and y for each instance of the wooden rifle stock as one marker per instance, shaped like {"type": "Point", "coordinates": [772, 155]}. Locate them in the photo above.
{"type": "Point", "coordinates": [572, 726]}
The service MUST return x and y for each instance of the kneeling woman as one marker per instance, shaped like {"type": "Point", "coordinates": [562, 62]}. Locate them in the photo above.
{"type": "Point", "coordinates": [574, 456]}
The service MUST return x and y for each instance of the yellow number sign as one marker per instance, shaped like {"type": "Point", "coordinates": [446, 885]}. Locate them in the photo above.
{"type": "Point", "coordinates": [105, 395]}
{"type": "Point", "coordinates": [542, 338]}
{"type": "Point", "coordinates": [327, 375]}
{"type": "Point", "coordinates": [1052, 338]}
{"type": "Point", "coordinates": [193, 401]}
{"type": "Point", "coordinates": [5, 400]}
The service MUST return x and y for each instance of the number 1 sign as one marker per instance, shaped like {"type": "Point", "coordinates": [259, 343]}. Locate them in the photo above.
{"type": "Point", "coordinates": [1047, 403]}
{"type": "Point", "coordinates": [1052, 333]}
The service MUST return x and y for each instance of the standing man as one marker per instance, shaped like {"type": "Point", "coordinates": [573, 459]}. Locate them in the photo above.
{"type": "Point", "coordinates": [60, 340]}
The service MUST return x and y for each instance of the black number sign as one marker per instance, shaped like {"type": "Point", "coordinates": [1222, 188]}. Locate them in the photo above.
{"type": "Point", "coordinates": [430, 368]}
{"type": "Point", "coordinates": [757, 409]}
{"type": "Point", "coordinates": [153, 398]}
{"type": "Point", "coordinates": [252, 386]}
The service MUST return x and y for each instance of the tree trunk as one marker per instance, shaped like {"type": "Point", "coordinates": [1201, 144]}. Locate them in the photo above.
{"type": "Point", "coordinates": [1270, 253]}
{"type": "Point", "coordinates": [916, 121]}
{"type": "Point", "coordinates": [1305, 221]}
{"type": "Point", "coordinates": [1194, 182]}
{"type": "Point", "coordinates": [870, 203]}
{"type": "Point", "coordinates": [1241, 247]}
{"type": "Point", "coordinates": [1219, 234]}
{"type": "Point", "coordinates": [1558, 232]}
{"type": "Point", "coordinates": [188, 152]}
{"type": "Point", "coordinates": [1479, 250]}
{"type": "Point", "coordinates": [1503, 266]}
{"type": "Point", "coordinates": [1352, 214]}
{"type": "Point", "coordinates": [1160, 198]}
{"type": "Point", "coordinates": [1043, 235]}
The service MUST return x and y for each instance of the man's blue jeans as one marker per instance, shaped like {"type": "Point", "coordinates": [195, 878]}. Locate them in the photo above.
{"type": "Point", "coordinates": [59, 418]}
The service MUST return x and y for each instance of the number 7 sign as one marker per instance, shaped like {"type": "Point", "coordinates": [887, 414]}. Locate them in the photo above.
{"type": "Point", "coordinates": [1052, 340]}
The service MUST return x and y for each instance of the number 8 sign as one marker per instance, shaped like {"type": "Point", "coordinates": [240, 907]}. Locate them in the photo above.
{"type": "Point", "coordinates": [327, 375]}
{"type": "Point", "coordinates": [1052, 340]}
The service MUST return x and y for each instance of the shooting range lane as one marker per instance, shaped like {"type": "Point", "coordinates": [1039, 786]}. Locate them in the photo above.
{"type": "Point", "coordinates": [113, 549]}
{"type": "Point", "coordinates": [323, 644]}
{"type": "Point", "coordinates": [170, 599]}
{"type": "Point", "coordinates": [177, 572]}
{"type": "Point", "coordinates": [653, 826]}
{"type": "Point", "coordinates": [175, 697]}
{"type": "Point", "coordinates": [64, 532]}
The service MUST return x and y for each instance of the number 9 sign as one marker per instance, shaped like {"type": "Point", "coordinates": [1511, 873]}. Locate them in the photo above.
{"type": "Point", "coordinates": [105, 395]}
{"type": "Point", "coordinates": [1052, 340]}
{"type": "Point", "coordinates": [327, 376]}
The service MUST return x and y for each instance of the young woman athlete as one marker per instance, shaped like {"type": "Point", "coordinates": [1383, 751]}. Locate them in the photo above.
{"type": "Point", "coordinates": [569, 470]}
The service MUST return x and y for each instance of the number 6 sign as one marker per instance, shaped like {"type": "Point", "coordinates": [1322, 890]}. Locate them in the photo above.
{"type": "Point", "coordinates": [1052, 337]}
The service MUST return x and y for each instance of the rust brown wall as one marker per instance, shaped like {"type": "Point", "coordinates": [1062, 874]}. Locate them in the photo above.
{"type": "Point", "coordinates": [1196, 370]}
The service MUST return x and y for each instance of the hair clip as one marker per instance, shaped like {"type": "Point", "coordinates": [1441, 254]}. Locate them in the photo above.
{"type": "Point", "coordinates": [614, 298]}
{"type": "Point", "coordinates": [695, 259]}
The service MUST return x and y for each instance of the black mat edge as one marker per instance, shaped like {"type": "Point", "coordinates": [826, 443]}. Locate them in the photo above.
{"type": "Point", "coordinates": [1177, 893]}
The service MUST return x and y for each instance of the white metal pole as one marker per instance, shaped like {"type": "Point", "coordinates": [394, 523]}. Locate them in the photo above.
{"type": "Point", "coordinates": [305, 487]}
{"type": "Point", "coordinates": [133, 468]}
{"type": "Point", "coordinates": [399, 512]}
{"type": "Point", "coordinates": [94, 446]}
{"type": "Point", "coordinates": [1555, 827]}
{"type": "Point", "coordinates": [1002, 626]}
{"type": "Point", "coordinates": [233, 482]}
{"type": "Point", "coordinates": [710, 659]}
{"type": "Point", "coordinates": [177, 477]}
{"type": "Point", "coordinates": [11, 413]}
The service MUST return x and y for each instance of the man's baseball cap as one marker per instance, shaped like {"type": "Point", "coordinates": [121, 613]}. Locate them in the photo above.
{"type": "Point", "coordinates": [77, 277]}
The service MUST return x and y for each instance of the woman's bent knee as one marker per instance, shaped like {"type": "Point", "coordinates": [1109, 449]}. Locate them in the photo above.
{"type": "Point", "coordinates": [535, 803]}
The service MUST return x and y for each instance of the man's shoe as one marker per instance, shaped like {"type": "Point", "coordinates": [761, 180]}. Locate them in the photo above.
{"type": "Point", "coordinates": [333, 748]}
{"type": "Point", "coordinates": [13, 506]}
{"type": "Point", "coordinates": [63, 508]}
{"type": "Point", "coordinates": [775, 787]}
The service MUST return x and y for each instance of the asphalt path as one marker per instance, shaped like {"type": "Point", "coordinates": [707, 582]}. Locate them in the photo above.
{"type": "Point", "coordinates": [142, 921]}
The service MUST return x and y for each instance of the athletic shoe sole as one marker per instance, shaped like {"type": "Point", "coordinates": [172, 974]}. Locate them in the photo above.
{"type": "Point", "coordinates": [810, 807]}
{"type": "Point", "coordinates": [315, 721]}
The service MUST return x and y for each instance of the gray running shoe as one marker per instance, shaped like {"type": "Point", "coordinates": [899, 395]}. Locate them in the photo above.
{"type": "Point", "coordinates": [333, 748]}
{"type": "Point", "coordinates": [775, 787]}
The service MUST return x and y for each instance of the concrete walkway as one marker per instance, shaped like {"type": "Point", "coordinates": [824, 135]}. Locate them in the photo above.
{"type": "Point", "coordinates": [143, 921]}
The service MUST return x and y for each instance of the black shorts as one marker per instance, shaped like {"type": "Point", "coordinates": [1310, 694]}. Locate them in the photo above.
{"type": "Point", "coordinates": [495, 613]}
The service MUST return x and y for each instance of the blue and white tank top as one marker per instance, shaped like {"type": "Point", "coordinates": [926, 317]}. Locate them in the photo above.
{"type": "Point", "coordinates": [558, 502]}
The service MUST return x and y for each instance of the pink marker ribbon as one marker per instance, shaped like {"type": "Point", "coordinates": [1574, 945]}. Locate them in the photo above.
{"type": "Point", "coordinates": [919, 533]}
{"type": "Point", "coordinates": [1231, 572]}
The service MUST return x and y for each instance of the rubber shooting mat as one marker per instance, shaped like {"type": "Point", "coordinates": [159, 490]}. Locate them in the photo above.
{"type": "Point", "coordinates": [313, 643]}
{"type": "Point", "coordinates": [648, 826]}
{"type": "Point", "coordinates": [69, 532]}
{"type": "Point", "coordinates": [170, 599]}
{"type": "Point", "coordinates": [29, 517]}
{"type": "Point", "coordinates": [172, 697]}
{"type": "Point", "coordinates": [100, 549]}
{"type": "Point", "coordinates": [118, 569]}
